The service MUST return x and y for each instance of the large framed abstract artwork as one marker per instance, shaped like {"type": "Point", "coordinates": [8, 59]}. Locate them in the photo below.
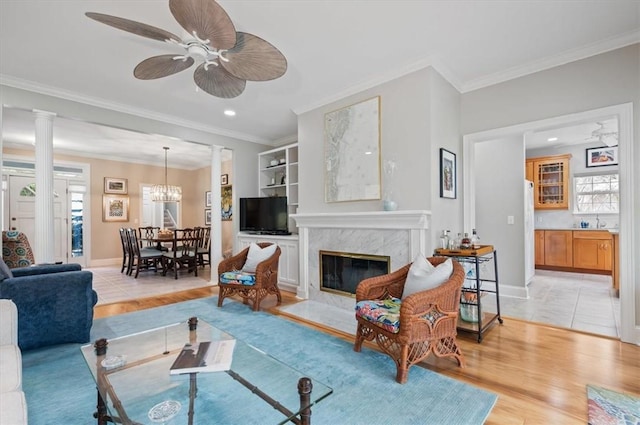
{"type": "Point", "coordinates": [352, 152]}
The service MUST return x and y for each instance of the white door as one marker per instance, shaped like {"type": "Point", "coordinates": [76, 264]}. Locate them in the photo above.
{"type": "Point", "coordinates": [22, 202]}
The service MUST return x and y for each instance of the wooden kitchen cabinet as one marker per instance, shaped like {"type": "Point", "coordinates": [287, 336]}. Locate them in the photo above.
{"type": "Point", "coordinates": [539, 247]}
{"type": "Point", "coordinates": [528, 173]}
{"type": "Point", "coordinates": [558, 248]}
{"type": "Point", "coordinates": [593, 250]}
{"type": "Point", "coordinates": [550, 175]}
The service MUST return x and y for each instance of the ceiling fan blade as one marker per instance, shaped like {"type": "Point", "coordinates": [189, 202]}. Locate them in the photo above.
{"type": "Point", "coordinates": [161, 66]}
{"type": "Point", "coordinates": [134, 27]}
{"type": "Point", "coordinates": [208, 19]}
{"type": "Point", "coordinates": [218, 82]}
{"type": "Point", "coordinates": [254, 59]}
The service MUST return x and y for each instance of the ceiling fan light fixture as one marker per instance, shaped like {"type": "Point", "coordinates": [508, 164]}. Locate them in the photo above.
{"type": "Point", "coordinates": [210, 38]}
{"type": "Point", "coordinates": [166, 192]}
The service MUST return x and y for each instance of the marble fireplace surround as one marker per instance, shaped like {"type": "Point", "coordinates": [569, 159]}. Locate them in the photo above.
{"type": "Point", "coordinates": [401, 235]}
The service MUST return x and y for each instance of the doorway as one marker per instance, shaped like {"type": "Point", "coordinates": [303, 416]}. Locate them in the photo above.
{"type": "Point", "coordinates": [166, 215]}
{"type": "Point", "coordinates": [516, 287]}
{"type": "Point", "coordinates": [22, 199]}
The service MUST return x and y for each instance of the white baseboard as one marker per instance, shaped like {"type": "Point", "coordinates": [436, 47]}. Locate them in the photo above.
{"type": "Point", "coordinates": [514, 291]}
{"type": "Point", "coordinates": [106, 262]}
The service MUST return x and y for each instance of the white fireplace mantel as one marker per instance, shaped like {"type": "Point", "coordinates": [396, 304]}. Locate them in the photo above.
{"type": "Point", "coordinates": [418, 219]}
{"type": "Point", "coordinates": [358, 232]}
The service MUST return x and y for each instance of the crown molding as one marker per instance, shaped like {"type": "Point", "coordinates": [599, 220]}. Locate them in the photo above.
{"type": "Point", "coordinates": [381, 79]}
{"type": "Point", "coordinates": [118, 107]}
{"type": "Point", "coordinates": [563, 58]}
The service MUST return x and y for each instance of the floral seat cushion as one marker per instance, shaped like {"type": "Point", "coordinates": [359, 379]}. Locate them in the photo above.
{"type": "Point", "coordinates": [238, 278]}
{"type": "Point", "coordinates": [383, 313]}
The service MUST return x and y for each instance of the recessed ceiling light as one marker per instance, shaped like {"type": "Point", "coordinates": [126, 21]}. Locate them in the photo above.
{"type": "Point", "coordinates": [552, 139]}
{"type": "Point", "coordinates": [230, 113]}
{"type": "Point", "coordinates": [368, 153]}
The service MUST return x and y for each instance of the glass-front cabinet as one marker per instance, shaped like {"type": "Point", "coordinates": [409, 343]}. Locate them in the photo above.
{"type": "Point", "coordinates": [550, 176]}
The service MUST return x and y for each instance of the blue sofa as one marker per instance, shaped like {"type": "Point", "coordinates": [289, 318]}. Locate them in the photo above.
{"type": "Point", "coordinates": [55, 303]}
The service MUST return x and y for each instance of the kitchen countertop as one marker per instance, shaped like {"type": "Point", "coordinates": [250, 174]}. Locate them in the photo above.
{"type": "Point", "coordinates": [608, 229]}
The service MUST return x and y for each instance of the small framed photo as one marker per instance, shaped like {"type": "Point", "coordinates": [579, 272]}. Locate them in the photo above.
{"type": "Point", "coordinates": [448, 173]}
{"type": "Point", "coordinates": [115, 208]}
{"type": "Point", "coordinates": [207, 217]}
{"type": "Point", "coordinates": [207, 199]}
{"type": "Point", "coordinates": [224, 179]}
{"type": "Point", "coordinates": [115, 185]}
{"type": "Point", "coordinates": [603, 156]}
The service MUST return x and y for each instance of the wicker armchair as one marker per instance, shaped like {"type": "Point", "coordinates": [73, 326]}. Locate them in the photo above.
{"type": "Point", "coordinates": [427, 319]}
{"type": "Point", "coordinates": [264, 282]}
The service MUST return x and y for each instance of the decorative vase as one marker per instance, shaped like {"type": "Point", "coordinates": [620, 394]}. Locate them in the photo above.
{"type": "Point", "coordinates": [390, 205]}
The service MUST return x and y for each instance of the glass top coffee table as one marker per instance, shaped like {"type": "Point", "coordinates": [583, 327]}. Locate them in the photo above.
{"type": "Point", "coordinates": [135, 386]}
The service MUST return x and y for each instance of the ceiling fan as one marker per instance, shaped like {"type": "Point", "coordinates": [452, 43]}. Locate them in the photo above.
{"type": "Point", "coordinates": [603, 135]}
{"type": "Point", "coordinates": [227, 58]}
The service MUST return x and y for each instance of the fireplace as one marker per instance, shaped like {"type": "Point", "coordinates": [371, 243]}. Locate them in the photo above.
{"type": "Point", "coordinates": [400, 235]}
{"type": "Point", "coordinates": [341, 272]}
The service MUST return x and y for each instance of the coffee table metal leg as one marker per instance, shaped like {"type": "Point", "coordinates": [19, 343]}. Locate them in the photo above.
{"type": "Point", "coordinates": [304, 389]}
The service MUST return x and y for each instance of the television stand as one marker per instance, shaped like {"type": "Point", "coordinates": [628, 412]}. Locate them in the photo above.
{"type": "Point", "coordinates": [288, 265]}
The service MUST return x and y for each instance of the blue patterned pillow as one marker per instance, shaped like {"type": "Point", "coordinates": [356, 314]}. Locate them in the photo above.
{"type": "Point", "coordinates": [238, 277]}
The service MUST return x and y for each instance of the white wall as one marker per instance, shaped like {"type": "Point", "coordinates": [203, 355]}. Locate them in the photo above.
{"type": "Point", "coordinates": [499, 183]}
{"type": "Point", "coordinates": [419, 114]}
{"type": "Point", "coordinates": [404, 133]}
{"type": "Point", "coordinates": [612, 78]}
{"type": "Point", "coordinates": [445, 133]}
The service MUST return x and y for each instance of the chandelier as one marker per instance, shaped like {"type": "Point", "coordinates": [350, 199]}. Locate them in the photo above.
{"type": "Point", "coordinates": [166, 192]}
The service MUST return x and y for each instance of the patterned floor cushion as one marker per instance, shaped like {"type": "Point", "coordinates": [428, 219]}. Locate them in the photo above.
{"type": "Point", "coordinates": [238, 278]}
{"type": "Point", "coordinates": [384, 313]}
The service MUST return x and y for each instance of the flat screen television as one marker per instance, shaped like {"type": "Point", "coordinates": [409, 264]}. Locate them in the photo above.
{"type": "Point", "coordinates": [266, 215]}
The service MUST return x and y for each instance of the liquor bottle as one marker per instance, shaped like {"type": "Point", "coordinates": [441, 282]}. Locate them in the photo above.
{"type": "Point", "coordinates": [475, 240]}
{"type": "Point", "coordinates": [465, 243]}
{"type": "Point", "coordinates": [444, 239]}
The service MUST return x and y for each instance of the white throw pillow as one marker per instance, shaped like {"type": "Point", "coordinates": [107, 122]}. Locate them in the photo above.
{"type": "Point", "coordinates": [256, 256]}
{"type": "Point", "coordinates": [423, 275]}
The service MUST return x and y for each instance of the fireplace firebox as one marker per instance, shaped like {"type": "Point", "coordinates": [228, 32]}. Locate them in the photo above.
{"type": "Point", "coordinates": [341, 272]}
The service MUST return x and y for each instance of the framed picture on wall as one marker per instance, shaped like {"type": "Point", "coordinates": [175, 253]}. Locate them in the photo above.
{"type": "Point", "coordinates": [207, 217]}
{"type": "Point", "coordinates": [224, 179]}
{"type": "Point", "coordinates": [207, 199]}
{"type": "Point", "coordinates": [115, 208]}
{"type": "Point", "coordinates": [447, 174]}
{"type": "Point", "coordinates": [115, 185]}
{"type": "Point", "coordinates": [599, 157]}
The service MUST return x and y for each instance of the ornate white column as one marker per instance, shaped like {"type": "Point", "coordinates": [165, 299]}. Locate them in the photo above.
{"type": "Point", "coordinates": [216, 211]}
{"type": "Point", "coordinates": [44, 245]}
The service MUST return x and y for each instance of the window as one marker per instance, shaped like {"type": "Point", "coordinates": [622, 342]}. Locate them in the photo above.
{"type": "Point", "coordinates": [597, 193]}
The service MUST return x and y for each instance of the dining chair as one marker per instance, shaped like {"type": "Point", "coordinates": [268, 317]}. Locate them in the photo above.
{"type": "Point", "coordinates": [126, 250]}
{"type": "Point", "coordinates": [183, 254]}
{"type": "Point", "coordinates": [143, 259]}
{"type": "Point", "coordinates": [204, 246]}
{"type": "Point", "coordinates": [147, 235]}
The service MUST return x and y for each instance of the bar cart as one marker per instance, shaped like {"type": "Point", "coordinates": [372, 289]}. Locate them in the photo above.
{"type": "Point", "coordinates": [472, 318]}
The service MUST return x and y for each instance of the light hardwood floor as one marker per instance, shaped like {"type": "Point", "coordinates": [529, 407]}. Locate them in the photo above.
{"type": "Point", "coordinates": [539, 372]}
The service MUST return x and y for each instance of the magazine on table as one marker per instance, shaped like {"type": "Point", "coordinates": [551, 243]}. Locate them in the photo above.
{"type": "Point", "coordinates": [206, 356]}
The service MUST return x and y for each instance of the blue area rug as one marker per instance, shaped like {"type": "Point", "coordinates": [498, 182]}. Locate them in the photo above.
{"type": "Point", "coordinates": [608, 407]}
{"type": "Point", "coordinates": [59, 387]}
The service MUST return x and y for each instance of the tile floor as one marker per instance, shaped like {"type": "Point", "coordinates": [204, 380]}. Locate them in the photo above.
{"type": "Point", "coordinates": [578, 301]}
{"type": "Point", "coordinates": [113, 286]}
